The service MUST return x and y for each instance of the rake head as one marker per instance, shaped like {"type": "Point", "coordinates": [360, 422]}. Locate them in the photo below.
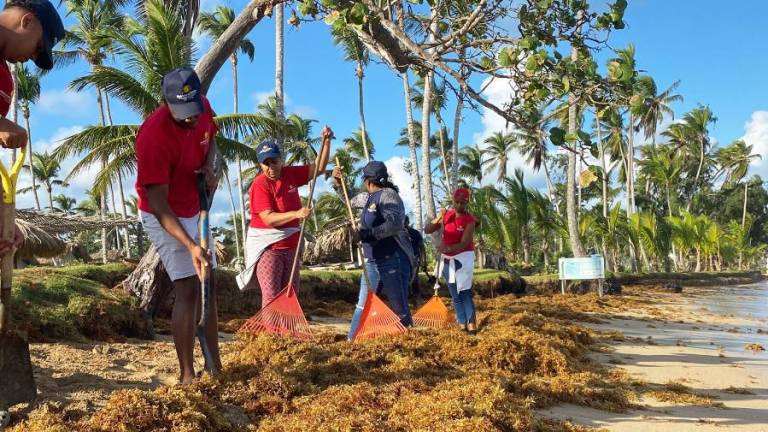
{"type": "Point", "coordinates": [282, 316]}
{"type": "Point", "coordinates": [377, 320]}
{"type": "Point", "coordinates": [433, 314]}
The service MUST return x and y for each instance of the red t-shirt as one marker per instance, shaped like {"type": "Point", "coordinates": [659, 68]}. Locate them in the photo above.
{"type": "Point", "coordinates": [169, 154]}
{"type": "Point", "coordinates": [6, 88]}
{"type": "Point", "coordinates": [280, 196]}
{"type": "Point", "coordinates": [453, 229]}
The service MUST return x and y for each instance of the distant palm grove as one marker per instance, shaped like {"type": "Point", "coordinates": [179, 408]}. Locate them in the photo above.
{"type": "Point", "coordinates": [624, 175]}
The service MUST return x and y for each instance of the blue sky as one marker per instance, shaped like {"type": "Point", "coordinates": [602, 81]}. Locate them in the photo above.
{"type": "Point", "coordinates": [715, 48]}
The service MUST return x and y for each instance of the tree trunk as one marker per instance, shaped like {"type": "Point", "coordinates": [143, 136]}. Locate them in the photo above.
{"type": "Point", "coordinates": [443, 155]}
{"type": "Point", "coordinates": [545, 251]}
{"type": "Point", "coordinates": [698, 174]}
{"type": "Point", "coordinates": [29, 152]}
{"type": "Point", "coordinates": [426, 168]}
{"type": "Point", "coordinates": [234, 220]}
{"type": "Point", "coordinates": [279, 58]}
{"type": "Point", "coordinates": [363, 138]}
{"type": "Point", "coordinates": [103, 199]}
{"type": "Point", "coordinates": [456, 125]}
{"type": "Point", "coordinates": [240, 191]}
{"type": "Point", "coordinates": [50, 196]}
{"type": "Point", "coordinates": [698, 260]}
{"type": "Point", "coordinates": [229, 41]}
{"type": "Point", "coordinates": [631, 165]}
{"type": "Point", "coordinates": [526, 245]}
{"type": "Point", "coordinates": [743, 223]}
{"type": "Point", "coordinates": [149, 282]}
{"type": "Point", "coordinates": [124, 212]}
{"type": "Point", "coordinates": [570, 194]}
{"type": "Point", "coordinates": [114, 215]}
{"type": "Point", "coordinates": [412, 150]}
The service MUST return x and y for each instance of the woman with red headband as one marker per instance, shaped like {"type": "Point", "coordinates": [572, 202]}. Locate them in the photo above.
{"type": "Point", "coordinates": [458, 256]}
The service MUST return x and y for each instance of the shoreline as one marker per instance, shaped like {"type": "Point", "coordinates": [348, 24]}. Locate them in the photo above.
{"type": "Point", "coordinates": [680, 345]}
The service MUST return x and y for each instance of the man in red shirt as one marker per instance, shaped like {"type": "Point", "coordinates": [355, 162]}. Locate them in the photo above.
{"type": "Point", "coordinates": [276, 212]}
{"type": "Point", "coordinates": [28, 30]}
{"type": "Point", "coordinates": [172, 145]}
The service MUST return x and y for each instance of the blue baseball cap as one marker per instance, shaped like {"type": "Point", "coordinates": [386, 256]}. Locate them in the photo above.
{"type": "Point", "coordinates": [50, 21]}
{"type": "Point", "coordinates": [376, 170]}
{"type": "Point", "coordinates": [181, 91]}
{"type": "Point", "coordinates": [268, 149]}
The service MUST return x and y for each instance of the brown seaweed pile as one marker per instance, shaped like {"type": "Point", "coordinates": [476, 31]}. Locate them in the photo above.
{"type": "Point", "coordinates": [528, 355]}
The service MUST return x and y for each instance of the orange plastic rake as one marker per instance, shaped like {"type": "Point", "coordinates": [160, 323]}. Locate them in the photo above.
{"type": "Point", "coordinates": [377, 318]}
{"type": "Point", "coordinates": [282, 316]}
{"type": "Point", "coordinates": [434, 313]}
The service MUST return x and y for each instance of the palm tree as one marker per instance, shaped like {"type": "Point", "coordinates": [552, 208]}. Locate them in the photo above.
{"type": "Point", "coordinates": [27, 93]}
{"type": "Point", "coordinates": [660, 167]}
{"type": "Point", "coordinates": [149, 48]}
{"type": "Point", "coordinates": [518, 207]}
{"type": "Point", "coordinates": [65, 204]}
{"type": "Point", "coordinates": [656, 105]}
{"type": "Point", "coordinates": [471, 164]}
{"type": "Point", "coordinates": [500, 145]}
{"type": "Point", "coordinates": [46, 168]}
{"type": "Point", "coordinates": [90, 40]}
{"type": "Point", "coordinates": [354, 51]}
{"type": "Point", "coordinates": [735, 159]}
{"type": "Point", "coordinates": [356, 145]}
{"type": "Point", "coordinates": [214, 24]}
{"type": "Point", "coordinates": [691, 137]}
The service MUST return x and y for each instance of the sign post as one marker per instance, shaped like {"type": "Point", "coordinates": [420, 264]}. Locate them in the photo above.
{"type": "Point", "coordinates": [583, 268]}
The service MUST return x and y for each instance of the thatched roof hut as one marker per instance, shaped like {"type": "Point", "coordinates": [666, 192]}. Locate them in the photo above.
{"type": "Point", "coordinates": [331, 245]}
{"type": "Point", "coordinates": [38, 242]}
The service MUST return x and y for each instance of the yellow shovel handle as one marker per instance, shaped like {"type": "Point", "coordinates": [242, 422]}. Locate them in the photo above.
{"type": "Point", "coordinates": [9, 178]}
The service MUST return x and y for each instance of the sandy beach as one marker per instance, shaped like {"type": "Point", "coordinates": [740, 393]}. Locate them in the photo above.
{"type": "Point", "coordinates": [697, 340]}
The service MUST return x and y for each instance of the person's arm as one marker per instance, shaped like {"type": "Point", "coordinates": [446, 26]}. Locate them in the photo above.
{"type": "Point", "coordinates": [157, 195]}
{"type": "Point", "coordinates": [322, 157]}
{"type": "Point", "coordinates": [275, 219]}
{"type": "Point", "coordinates": [435, 223]}
{"type": "Point", "coordinates": [12, 135]}
{"type": "Point", "coordinates": [466, 239]}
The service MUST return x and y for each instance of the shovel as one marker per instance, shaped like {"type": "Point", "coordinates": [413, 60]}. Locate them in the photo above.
{"type": "Point", "coordinates": [17, 383]}
{"type": "Point", "coordinates": [206, 283]}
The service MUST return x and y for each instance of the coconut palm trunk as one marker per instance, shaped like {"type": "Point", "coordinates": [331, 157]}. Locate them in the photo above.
{"type": "Point", "coordinates": [743, 223]}
{"type": "Point", "coordinates": [360, 75]}
{"type": "Point", "coordinates": [412, 151]}
{"type": "Point", "coordinates": [601, 148]}
{"type": "Point", "coordinates": [242, 229]}
{"type": "Point", "coordinates": [234, 221]}
{"type": "Point", "coordinates": [124, 209]}
{"type": "Point", "coordinates": [103, 197]}
{"type": "Point", "coordinates": [426, 110]}
{"type": "Point", "coordinates": [279, 58]}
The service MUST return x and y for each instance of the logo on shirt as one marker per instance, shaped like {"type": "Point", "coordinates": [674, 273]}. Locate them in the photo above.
{"type": "Point", "coordinates": [372, 208]}
{"type": "Point", "coordinates": [206, 139]}
{"type": "Point", "coordinates": [292, 189]}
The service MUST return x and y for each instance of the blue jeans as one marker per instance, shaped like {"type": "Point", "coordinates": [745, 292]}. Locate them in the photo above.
{"type": "Point", "coordinates": [390, 277]}
{"type": "Point", "coordinates": [462, 301]}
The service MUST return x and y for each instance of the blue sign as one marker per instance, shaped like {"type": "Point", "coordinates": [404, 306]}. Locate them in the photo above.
{"type": "Point", "coordinates": [591, 267]}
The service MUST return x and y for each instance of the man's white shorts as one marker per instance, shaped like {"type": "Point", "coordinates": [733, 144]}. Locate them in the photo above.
{"type": "Point", "coordinates": [175, 257]}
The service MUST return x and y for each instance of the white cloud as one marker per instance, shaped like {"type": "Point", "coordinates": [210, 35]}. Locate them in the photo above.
{"type": "Point", "coordinates": [499, 92]}
{"type": "Point", "coordinates": [55, 139]}
{"type": "Point", "coordinates": [67, 103]}
{"type": "Point", "coordinates": [401, 177]}
{"type": "Point", "coordinates": [756, 135]}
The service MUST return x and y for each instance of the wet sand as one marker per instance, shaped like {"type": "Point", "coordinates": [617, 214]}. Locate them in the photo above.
{"type": "Point", "coordinates": [696, 339]}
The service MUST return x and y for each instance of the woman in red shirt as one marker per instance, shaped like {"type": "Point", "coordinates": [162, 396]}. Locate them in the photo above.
{"type": "Point", "coordinates": [276, 214]}
{"type": "Point", "coordinates": [458, 256]}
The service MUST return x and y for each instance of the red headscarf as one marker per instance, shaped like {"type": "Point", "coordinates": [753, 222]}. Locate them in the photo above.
{"type": "Point", "coordinates": [461, 194]}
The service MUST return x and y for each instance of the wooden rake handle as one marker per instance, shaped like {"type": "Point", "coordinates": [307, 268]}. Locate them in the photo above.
{"type": "Point", "coordinates": [352, 218]}
{"type": "Point", "coordinates": [8, 231]}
